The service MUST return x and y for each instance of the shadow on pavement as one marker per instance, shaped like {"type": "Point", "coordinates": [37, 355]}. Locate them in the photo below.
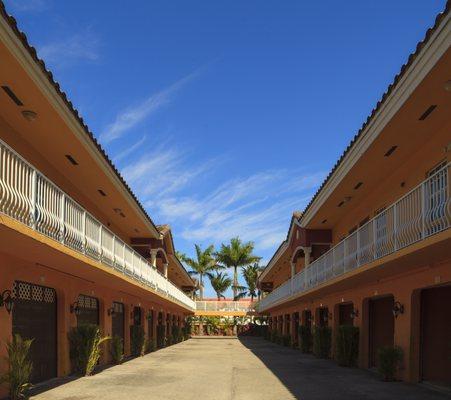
{"type": "Point", "coordinates": [310, 378]}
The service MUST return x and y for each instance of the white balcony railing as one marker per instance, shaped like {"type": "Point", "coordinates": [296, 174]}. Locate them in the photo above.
{"type": "Point", "coordinates": [422, 212]}
{"type": "Point", "coordinates": [225, 305]}
{"type": "Point", "coordinates": [29, 197]}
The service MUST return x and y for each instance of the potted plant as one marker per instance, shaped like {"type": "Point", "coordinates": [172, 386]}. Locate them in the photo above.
{"type": "Point", "coordinates": [85, 348]}
{"type": "Point", "coordinates": [322, 341]}
{"type": "Point", "coordinates": [19, 367]}
{"type": "Point", "coordinates": [347, 345]}
{"type": "Point", "coordinates": [117, 349]}
{"type": "Point", "coordinates": [389, 358]}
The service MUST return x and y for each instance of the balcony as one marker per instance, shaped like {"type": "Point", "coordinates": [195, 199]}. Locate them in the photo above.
{"type": "Point", "coordinates": [30, 198]}
{"type": "Point", "coordinates": [419, 214]}
{"type": "Point", "coordinates": [226, 306]}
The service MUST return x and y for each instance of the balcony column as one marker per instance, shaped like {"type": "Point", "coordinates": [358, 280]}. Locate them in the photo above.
{"type": "Point", "coordinates": [153, 258]}
{"type": "Point", "coordinates": [307, 252]}
{"type": "Point", "coordinates": [165, 270]}
{"type": "Point", "coordinates": [293, 273]}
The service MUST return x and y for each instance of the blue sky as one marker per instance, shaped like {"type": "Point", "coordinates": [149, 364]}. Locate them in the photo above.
{"type": "Point", "coordinates": [224, 116]}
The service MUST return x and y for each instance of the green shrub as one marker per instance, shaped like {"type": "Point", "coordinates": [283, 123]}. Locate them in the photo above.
{"type": "Point", "coordinates": [389, 358]}
{"type": "Point", "coordinates": [286, 340]}
{"type": "Point", "coordinates": [137, 340]}
{"type": "Point", "coordinates": [19, 367]}
{"type": "Point", "coordinates": [85, 348]}
{"type": "Point", "coordinates": [117, 349]}
{"type": "Point", "coordinates": [151, 345]}
{"type": "Point", "coordinates": [160, 336]}
{"type": "Point", "coordinates": [347, 345]}
{"type": "Point", "coordinates": [305, 339]}
{"type": "Point", "coordinates": [322, 340]}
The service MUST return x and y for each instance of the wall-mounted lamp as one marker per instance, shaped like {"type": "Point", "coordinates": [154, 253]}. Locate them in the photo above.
{"type": "Point", "coordinates": [111, 311]}
{"type": "Point", "coordinates": [354, 313]}
{"type": "Point", "coordinates": [7, 301]}
{"type": "Point", "coordinates": [398, 308]}
{"type": "Point", "coordinates": [75, 308]}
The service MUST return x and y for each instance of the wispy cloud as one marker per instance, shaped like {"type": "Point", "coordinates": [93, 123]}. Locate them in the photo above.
{"type": "Point", "coordinates": [256, 208]}
{"type": "Point", "coordinates": [27, 5]}
{"type": "Point", "coordinates": [133, 115]}
{"type": "Point", "coordinates": [163, 171]}
{"type": "Point", "coordinates": [82, 46]}
{"type": "Point", "coordinates": [129, 150]}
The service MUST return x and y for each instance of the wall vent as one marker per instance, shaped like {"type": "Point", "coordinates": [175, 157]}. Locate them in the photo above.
{"type": "Point", "coordinates": [390, 151]}
{"type": "Point", "coordinates": [71, 159]}
{"type": "Point", "coordinates": [427, 112]}
{"type": "Point", "coordinates": [358, 185]}
{"type": "Point", "coordinates": [12, 95]}
{"type": "Point", "coordinates": [102, 193]}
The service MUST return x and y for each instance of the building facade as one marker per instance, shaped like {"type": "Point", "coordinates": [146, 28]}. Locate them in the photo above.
{"type": "Point", "coordinates": [76, 246]}
{"type": "Point", "coordinates": [373, 247]}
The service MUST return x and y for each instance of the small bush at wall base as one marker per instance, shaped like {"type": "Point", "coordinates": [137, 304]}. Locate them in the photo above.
{"type": "Point", "coordinates": [19, 367]}
{"type": "Point", "coordinates": [151, 345]}
{"type": "Point", "coordinates": [305, 339]}
{"type": "Point", "coordinates": [322, 340]}
{"type": "Point", "coordinates": [137, 340]}
{"type": "Point", "coordinates": [347, 345]}
{"type": "Point", "coordinates": [286, 340]}
{"type": "Point", "coordinates": [117, 349]}
{"type": "Point", "coordinates": [389, 358]}
{"type": "Point", "coordinates": [85, 348]}
{"type": "Point", "coordinates": [160, 336]}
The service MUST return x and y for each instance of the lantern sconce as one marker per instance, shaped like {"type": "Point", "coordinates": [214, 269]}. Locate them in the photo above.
{"type": "Point", "coordinates": [75, 308]}
{"type": "Point", "coordinates": [111, 311]}
{"type": "Point", "coordinates": [354, 313]}
{"type": "Point", "coordinates": [6, 300]}
{"type": "Point", "coordinates": [398, 308]}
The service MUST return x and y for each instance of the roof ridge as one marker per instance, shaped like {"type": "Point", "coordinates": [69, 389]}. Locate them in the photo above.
{"type": "Point", "coordinates": [12, 22]}
{"type": "Point", "coordinates": [438, 19]}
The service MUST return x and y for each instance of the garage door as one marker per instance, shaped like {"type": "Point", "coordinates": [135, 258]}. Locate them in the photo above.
{"type": "Point", "coordinates": [88, 312]}
{"type": "Point", "coordinates": [382, 326]}
{"type": "Point", "coordinates": [436, 335]}
{"type": "Point", "coordinates": [345, 314]}
{"type": "Point", "coordinates": [34, 317]}
{"type": "Point", "coordinates": [118, 321]}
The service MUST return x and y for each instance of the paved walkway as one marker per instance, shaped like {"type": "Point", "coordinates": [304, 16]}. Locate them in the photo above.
{"type": "Point", "coordinates": [230, 369]}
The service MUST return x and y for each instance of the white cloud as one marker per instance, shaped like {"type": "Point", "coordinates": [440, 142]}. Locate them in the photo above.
{"type": "Point", "coordinates": [252, 208]}
{"type": "Point", "coordinates": [27, 5]}
{"type": "Point", "coordinates": [129, 150]}
{"type": "Point", "coordinates": [133, 115]}
{"type": "Point", "coordinates": [82, 46]}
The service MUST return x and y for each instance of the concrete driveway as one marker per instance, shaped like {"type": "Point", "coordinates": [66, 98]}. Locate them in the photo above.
{"type": "Point", "coordinates": [232, 369]}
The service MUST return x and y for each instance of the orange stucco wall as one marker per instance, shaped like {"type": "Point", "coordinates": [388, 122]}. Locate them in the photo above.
{"type": "Point", "coordinates": [67, 288]}
{"type": "Point", "coordinates": [404, 288]}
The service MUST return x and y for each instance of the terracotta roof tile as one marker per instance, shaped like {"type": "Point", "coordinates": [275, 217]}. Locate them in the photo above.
{"type": "Point", "coordinates": [384, 97]}
{"type": "Point", "coordinates": [32, 51]}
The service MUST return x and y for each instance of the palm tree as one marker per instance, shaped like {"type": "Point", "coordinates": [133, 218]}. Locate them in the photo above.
{"type": "Point", "coordinates": [250, 275]}
{"type": "Point", "coordinates": [236, 254]}
{"type": "Point", "coordinates": [220, 283]}
{"type": "Point", "coordinates": [204, 264]}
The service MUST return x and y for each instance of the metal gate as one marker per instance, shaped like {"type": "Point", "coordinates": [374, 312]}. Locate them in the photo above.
{"type": "Point", "coordinates": [88, 310]}
{"type": "Point", "coordinates": [34, 317]}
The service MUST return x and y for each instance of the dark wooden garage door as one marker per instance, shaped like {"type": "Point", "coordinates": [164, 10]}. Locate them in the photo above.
{"type": "Point", "coordinates": [88, 310]}
{"type": "Point", "coordinates": [382, 326]}
{"type": "Point", "coordinates": [34, 317]}
{"type": "Point", "coordinates": [150, 322]}
{"type": "Point", "coordinates": [118, 320]}
{"type": "Point", "coordinates": [345, 314]}
{"type": "Point", "coordinates": [436, 335]}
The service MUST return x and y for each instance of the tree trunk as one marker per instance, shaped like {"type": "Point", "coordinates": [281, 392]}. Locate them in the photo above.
{"type": "Point", "coordinates": [235, 281]}
{"type": "Point", "coordinates": [201, 288]}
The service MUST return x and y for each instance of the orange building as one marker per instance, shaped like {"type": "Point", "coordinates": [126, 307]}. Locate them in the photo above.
{"type": "Point", "coordinates": [373, 247]}
{"type": "Point", "coordinates": [76, 246]}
